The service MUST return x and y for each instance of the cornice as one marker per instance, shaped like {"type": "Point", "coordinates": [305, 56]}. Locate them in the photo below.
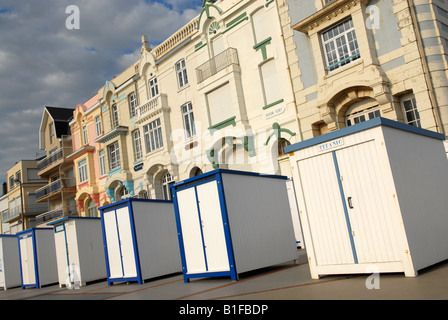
{"type": "Point", "coordinates": [327, 13]}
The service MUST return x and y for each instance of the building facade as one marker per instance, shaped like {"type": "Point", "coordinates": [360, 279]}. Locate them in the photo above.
{"type": "Point", "coordinates": [88, 157]}
{"type": "Point", "coordinates": [56, 168]}
{"type": "Point", "coordinates": [359, 59]}
{"type": "Point", "coordinates": [23, 183]}
{"type": "Point", "coordinates": [215, 94]}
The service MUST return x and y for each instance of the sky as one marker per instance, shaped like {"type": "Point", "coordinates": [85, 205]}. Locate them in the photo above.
{"type": "Point", "coordinates": [44, 63]}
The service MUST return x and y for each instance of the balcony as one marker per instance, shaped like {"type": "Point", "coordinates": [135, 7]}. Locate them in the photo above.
{"type": "Point", "coordinates": [44, 218]}
{"type": "Point", "coordinates": [50, 160]}
{"type": "Point", "coordinates": [11, 214]}
{"type": "Point", "coordinates": [54, 189]}
{"type": "Point", "coordinates": [219, 62]}
{"type": "Point", "coordinates": [152, 107]}
{"type": "Point", "coordinates": [30, 211]}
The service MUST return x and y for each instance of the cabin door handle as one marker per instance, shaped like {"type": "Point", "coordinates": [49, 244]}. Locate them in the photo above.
{"type": "Point", "coordinates": [350, 204]}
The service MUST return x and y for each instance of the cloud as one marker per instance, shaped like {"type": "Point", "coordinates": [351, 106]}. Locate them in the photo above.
{"type": "Point", "coordinates": [44, 63]}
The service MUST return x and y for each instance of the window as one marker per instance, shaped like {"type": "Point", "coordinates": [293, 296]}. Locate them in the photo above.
{"type": "Point", "coordinates": [114, 116]}
{"type": "Point", "coordinates": [187, 115]}
{"type": "Point", "coordinates": [340, 45]}
{"type": "Point", "coordinates": [166, 181]}
{"type": "Point", "coordinates": [98, 128]}
{"type": "Point", "coordinates": [114, 156]}
{"type": "Point", "coordinates": [132, 99]}
{"type": "Point", "coordinates": [82, 171]}
{"type": "Point", "coordinates": [262, 30]}
{"type": "Point", "coordinates": [91, 209]}
{"type": "Point", "coordinates": [138, 154]}
{"type": "Point", "coordinates": [102, 162]}
{"type": "Point", "coordinates": [18, 176]}
{"type": "Point", "coordinates": [124, 193]}
{"type": "Point", "coordinates": [363, 115]}
{"type": "Point", "coordinates": [51, 132]}
{"type": "Point", "coordinates": [271, 88]}
{"type": "Point", "coordinates": [153, 136]}
{"type": "Point", "coordinates": [181, 71]}
{"type": "Point", "coordinates": [410, 111]}
{"type": "Point", "coordinates": [85, 138]}
{"type": "Point", "coordinates": [153, 87]}
{"type": "Point", "coordinates": [219, 104]}
{"type": "Point", "coordinates": [11, 183]}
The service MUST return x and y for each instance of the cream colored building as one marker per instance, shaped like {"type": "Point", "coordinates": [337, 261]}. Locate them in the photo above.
{"type": "Point", "coordinates": [352, 60]}
{"type": "Point", "coordinates": [217, 93]}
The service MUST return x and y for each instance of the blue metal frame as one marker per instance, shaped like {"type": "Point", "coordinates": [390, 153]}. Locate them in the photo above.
{"type": "Point", "coordinates": [21, 235]}
{"type": "Point", "coordinates": [215, 175]}
{"type": "Point", "coordinates": [361, 127]}
{"type": "Point", "coordinates": [113, 207]}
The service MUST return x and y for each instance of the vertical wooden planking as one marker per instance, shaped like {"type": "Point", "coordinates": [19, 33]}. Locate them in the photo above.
{"type": "Point", "coordinates": [113, 244]}
{"type": "Point", "coordinates": [191, 231]}
{"type": "Point", "coordinates": [126, 242]}
{"type": "Point", "coordinates": [324, 210]}
{"type": "Point", "coordinates": [212, 227]}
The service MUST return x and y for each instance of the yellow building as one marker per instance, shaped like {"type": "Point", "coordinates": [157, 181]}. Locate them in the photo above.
{"type": "Point", "coordinates": [22, 184]}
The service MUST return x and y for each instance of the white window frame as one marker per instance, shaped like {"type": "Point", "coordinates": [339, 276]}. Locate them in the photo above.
{"type": "Point", "coordinates": [85, 136]}
{"type": "Point", "coordinates": [115, 120]}
{"type": "Point", "coordinates": [409, 107]}
{"type": "Point", "coordinates": [167, 179]}
{"type": "Point", "coordinates": [113, 151]}
{"type": "Point", "coordinates": [102, 162]}
{"type": "Point", "coordinates": [181, 71]}
{"type": "Point", "coordinates": [340, 45]}
{"type": "Point", "coordinates": [132, 100]}
{"type": "Point", "coordinates": [137, 142]}
{"type": "Point", "coordinates": [153, 135]}
{"type": "Point", "coordinates": [188, 119]}
{"type": "Point", "coordinates": [98, 126]}
{"type": "Point", "coordinates": [92, 209]}
{"type": "Point", "coordinates": [82, 171]}
{"type": "Point", "coordinates": [51, 132]}
{"type": "Point", "coordinates": [153, 87]}
{"type": "Point", "coordinates": [363, 115]}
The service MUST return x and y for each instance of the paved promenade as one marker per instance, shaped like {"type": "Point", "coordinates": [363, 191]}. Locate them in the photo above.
{"type": "Point", "coordinates": [287, 282]}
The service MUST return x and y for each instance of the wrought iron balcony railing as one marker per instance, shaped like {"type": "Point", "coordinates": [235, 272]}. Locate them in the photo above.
{"type": "Point", "coordinates": [216, 64]}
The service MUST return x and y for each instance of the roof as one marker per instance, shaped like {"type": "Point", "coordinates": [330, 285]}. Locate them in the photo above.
{"type": "Point", "coordinates": [61, 118]}
{"type": "Point", "coordinates": [375, 122]}
{"type": "Point", "coordinates": [60, 114]}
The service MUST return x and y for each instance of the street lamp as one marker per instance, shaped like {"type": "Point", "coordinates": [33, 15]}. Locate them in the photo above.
{"type": "Point", "coordinates": [21, 203]}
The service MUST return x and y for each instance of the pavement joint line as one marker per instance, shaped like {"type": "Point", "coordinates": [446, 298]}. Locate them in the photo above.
{"type": "Point", "coordinates": [240, 281]}
{"type": "Point", "coordinates": [281, 288]}
{"type": "Point", "coordinates": [92, 292]}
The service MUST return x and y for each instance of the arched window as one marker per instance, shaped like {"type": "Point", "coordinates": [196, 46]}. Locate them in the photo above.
{"type": "Point", "coordinates": [281, 144]}
{"type": "Point", "coordinates": [361, 111]}
{"type": "Point", "coordinates": [124, 193]}
{"type": "Point", "coordinates": [195, 172]}
{"type": "Point", "coordinates": [166, 181]}
{"type": "Point", "coordinates": [91, 209]}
